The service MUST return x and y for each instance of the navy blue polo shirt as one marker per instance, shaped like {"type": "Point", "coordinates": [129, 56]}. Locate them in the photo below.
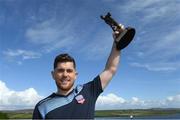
{"type": "Point", "coordinates": [78, 104]}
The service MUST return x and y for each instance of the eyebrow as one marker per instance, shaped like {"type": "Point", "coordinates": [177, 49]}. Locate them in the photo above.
{"type": "Point", "coordinates": [64, 69]}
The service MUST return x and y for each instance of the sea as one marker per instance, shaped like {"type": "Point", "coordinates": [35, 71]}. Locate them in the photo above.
{"type": "Point", "coordinates": [168, 117]}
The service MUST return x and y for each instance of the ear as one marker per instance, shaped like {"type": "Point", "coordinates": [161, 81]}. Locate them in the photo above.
{"type": "Point", "coordinates": [52, 73]}
{"type": "Point", "coordinates": [76, 74]}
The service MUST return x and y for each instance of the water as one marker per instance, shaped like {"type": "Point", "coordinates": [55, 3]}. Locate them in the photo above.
{"type": "Point", "coordinates": [131, 119]}
{"type": "Point", "coordinates": [167, 117]}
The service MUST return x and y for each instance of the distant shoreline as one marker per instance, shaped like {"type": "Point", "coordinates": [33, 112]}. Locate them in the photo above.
{"type": "Point", "coordinates": [158, 113]}
{"type": "Point", "coordinates": [140, 113]}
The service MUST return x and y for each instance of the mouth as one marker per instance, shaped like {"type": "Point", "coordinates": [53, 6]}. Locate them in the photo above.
{"type": "Point", "coordinates": [64, 81]}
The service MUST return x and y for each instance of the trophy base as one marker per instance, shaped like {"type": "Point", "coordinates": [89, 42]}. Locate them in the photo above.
{"type": "Point", "coordinates": [125, 38]}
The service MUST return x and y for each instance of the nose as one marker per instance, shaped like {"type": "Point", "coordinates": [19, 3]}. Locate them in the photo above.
{"type": "Point", "coordinates": [65, 73]}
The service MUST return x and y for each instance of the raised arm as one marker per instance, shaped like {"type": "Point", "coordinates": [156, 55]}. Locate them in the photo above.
{"type": "Point", "coordinates": [122, 37]}
{"type": "Point", "coordinates": [111, 65]}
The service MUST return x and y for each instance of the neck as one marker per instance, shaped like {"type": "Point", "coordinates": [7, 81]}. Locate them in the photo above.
{"type": "Point", "coordinates": [64, 92]}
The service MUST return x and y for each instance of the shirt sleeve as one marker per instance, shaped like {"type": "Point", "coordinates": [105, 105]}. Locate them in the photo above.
{"type": "Point", "coordinates": [36, 113]}
{"type": "Point", "coordinates": [95, 86]}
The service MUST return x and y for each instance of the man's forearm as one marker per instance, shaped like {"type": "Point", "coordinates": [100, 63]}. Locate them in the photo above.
{"type": "Point", "coordinates": [111, 65]}
{"type": "Point", "coordinates": [113, 60]}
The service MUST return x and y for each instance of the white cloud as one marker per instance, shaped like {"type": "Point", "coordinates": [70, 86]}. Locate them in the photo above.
{"type": "Point", "coordinates": [156, 45]}
{"type": "Point", "coordinates": [19, 55]}
{"type": "Point", "coordinates": [43, 33]}
{"type": "Point", "coordinates": [173, 101]}
{"type": "Point", "coordinates": [10, 99]}
{"type": "Point", "coordinates": [151, 10]}
{"type": "Point", "coordinates": [161, 54]}
{"type": "Point", "coordinates": [136, 101]}
{"type": "Point", "coordinates": [174, 98]}
{"type": "Point", "coordinates": [165, 49]}
{"type": "Point", "coordinates": [168, 43]}
{"type": "Point", "coordinates": [70, 33]}
{"type": "Point", "coordinates": [162, 66]}
{"type": "Point", "coordinates": [52, 34]}
{"type": "Point", "coordinates": [112, 101]}
{"type": "Point", "coordinates": [140, 4]}
{"type": "Point", "coordinates": [99, 47]}
{"type": "Point", "coordinates": [24, 54]}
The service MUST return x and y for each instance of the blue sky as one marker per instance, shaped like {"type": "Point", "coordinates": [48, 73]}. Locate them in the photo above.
{"type": "Point", "coordinates": [33, 32]}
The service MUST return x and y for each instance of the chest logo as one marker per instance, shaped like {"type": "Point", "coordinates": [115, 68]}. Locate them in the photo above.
{"type": "Point", "coordinates": [80, 99]}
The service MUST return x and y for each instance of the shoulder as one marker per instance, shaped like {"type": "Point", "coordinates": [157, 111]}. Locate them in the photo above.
{"type": "Point", "coordinates": [36, 112]}
{"type": "Point", "coordinates": [45, 99]}
{"type": "Point", "coordinates": [94, 86]}
{"type": "Point", "coordinates": [78, 89]}
{"type": "Point", "coordinates": [95, 81]}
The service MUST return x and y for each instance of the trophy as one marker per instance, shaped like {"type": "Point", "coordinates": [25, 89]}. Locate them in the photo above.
{"type": "Point", "coordinates": [126, 34]}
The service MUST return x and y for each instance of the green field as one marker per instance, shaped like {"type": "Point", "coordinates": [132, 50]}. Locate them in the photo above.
{"type": "Point", "coordinates": [137, 112]}
{"type": "Point", "coordinates": [19, 114]}
{"type": "Point", "coordinates": [27, 114]}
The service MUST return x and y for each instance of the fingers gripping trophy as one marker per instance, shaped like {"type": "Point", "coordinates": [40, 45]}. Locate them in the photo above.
{"type": "Point", "coordinates": [125, 35]}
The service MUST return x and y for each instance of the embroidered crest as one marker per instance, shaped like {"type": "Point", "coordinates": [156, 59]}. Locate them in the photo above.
{"type": "Point", "coordinates": [80, 99]}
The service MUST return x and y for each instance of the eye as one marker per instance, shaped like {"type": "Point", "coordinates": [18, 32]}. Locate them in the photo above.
{"type": "Point", "coordinates": [60, 70]}
{"type": "Point", "coordinates": [69, 70]}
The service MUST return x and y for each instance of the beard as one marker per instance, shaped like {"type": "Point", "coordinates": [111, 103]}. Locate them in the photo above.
{"type": "Point", "coordinates": [65, 86]}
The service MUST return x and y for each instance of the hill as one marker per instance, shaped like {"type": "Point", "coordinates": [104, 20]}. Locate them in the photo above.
{"type": "Point", "coordinates": [138, 113]}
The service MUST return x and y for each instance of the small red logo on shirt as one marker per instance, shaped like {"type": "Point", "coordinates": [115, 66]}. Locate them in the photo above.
{"type": "Point", "coordinates": [80, 99]}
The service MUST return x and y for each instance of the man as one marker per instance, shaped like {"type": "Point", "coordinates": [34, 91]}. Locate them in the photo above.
{"type": "Point", "coordinates": [79, 102]}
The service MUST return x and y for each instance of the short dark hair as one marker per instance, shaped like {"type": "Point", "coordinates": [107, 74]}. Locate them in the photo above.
{"type": "Point", "coordinates": [64, 58]}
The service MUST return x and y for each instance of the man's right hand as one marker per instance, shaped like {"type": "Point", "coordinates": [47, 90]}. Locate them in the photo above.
{"type": "Point", "coordinates": [123, 36]}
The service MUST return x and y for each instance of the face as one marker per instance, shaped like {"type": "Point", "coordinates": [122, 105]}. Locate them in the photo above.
{"type": "Point", "coordinates": [64, 75]}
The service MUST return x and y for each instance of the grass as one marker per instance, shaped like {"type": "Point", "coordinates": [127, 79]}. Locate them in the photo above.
{"type": "Point", "coordinates": [100, 113]}
{"type": "Point", "coordinates": [135, 112]}
{"type": "Point", "coordinates": [15, 115]}
{"type": "Point", "coordinates": [20, 115]}
{"type": "Point", "coordinates": [3, 115]}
